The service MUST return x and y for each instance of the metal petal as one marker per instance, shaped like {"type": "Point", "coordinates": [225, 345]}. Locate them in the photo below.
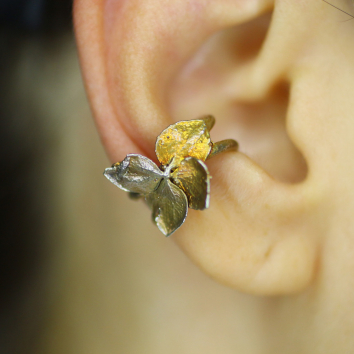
{"type": "Point", "coordinates": [209, 121]}
{"type": "Point", "coordinates": [169, 207]}
{"type": "Point", "coordinates": [136, 173]}
{"type": "Point", "coordinates": [182, 139]}
{"type": "Point", "coordinates": [223, 146]}
{"type": "Point", "coordinates": [192, 176]}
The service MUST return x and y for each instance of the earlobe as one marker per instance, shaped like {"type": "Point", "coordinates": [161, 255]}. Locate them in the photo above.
{"type": "Point", "coordinates": [137, 57]}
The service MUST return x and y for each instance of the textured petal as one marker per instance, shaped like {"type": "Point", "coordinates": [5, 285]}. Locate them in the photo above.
{"type": "Point", "coordinates": [169, 207]}
{"type": "Point", "coordinates": [136, 173]}
{"type": "Point", "coordinates": [182, 139]}
{"type": "Point", "coordinates": [209, 120]}
{"type": "Point", "coordinates": [223, 146]}
{"type": "Point", "coordinates": [192, 176]}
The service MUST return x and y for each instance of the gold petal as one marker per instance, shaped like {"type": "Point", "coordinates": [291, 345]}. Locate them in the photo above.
{"type": "Point", "coordinates": [136, 173]}
{"type": "Point", "coordinates": [182, 139]}
{"type": "Point", "coordinates": [193, 178]}
{"type": "Point", "coordinates": [169, 207]}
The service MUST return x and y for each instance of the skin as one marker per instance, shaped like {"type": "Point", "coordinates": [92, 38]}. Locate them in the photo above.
{"type": "Point", "coordinates": [279, 78]}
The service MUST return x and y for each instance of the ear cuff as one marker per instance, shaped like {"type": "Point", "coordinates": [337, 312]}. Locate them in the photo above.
{"type": "Point", "coordinates": [182, 180]}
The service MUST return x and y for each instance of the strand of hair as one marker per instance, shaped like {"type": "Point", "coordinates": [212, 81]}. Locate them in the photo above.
{"type": "Point", "coordinates": [352, 16]}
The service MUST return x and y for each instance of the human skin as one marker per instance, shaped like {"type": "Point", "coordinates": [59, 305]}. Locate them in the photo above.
{"type": "Point", "coordinates": [279, 78]}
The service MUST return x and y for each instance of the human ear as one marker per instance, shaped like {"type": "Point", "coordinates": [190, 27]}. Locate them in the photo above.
{"type": "Point", "coordinates": [149, 63]}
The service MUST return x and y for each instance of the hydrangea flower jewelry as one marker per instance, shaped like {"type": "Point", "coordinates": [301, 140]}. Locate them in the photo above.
{"type": "Point", "coordinates": [181, 181]}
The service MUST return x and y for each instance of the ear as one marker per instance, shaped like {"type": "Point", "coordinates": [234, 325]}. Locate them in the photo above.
{"type": "Point", "coordinates": [149, 63]}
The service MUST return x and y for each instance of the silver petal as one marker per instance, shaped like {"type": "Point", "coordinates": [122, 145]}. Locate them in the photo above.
{"type": "Point", "coordinates": [136, 173]}
{"type": "Point", "coordinates": [169, 207]}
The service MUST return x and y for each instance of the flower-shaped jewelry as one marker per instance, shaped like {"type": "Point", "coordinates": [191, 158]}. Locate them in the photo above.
{"type": "Point", "coordinates": [181, 181]}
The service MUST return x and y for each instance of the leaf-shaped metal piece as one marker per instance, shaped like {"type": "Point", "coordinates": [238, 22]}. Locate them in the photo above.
{"type": "Point", "coordinates": [169, 206]}
{"type": "Point", "coordinates": [209, 120]}
{"type": "Point", "coordinates": [223, 146]}
{"type": "Point", "coordinates": [136, 173]}
{"type": "Point", "coordinates": [183, 139]}
{"type": "Point", "coordinates": [193, 178]}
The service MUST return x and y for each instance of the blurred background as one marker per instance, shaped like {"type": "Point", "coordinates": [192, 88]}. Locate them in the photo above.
{"type": "Point", "coordinates": [37, 57]}
{"type": "Point", "coordinates": [83, 269]}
